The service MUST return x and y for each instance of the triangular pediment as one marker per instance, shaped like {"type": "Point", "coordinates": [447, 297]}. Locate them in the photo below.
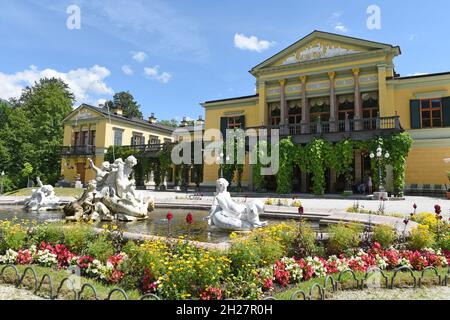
{"type": "Point", "coordinates": [321, 45]}
{"type": "Point", "coordinates": [84, 112]}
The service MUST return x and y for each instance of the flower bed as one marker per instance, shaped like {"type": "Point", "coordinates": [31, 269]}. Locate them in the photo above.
{"type": "Point", "coordinates": [257, 263]}
{"type": "Point", "coordinates": [292, 271]}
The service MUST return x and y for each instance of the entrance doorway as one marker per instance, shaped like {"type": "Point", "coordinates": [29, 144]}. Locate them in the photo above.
{"type": "Point", "coordinates": [81, 171]}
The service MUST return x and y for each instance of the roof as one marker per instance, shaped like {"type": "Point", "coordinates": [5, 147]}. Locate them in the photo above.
{"type": "Point", "coordinates": [232, 99]}
{"type": "Point", "coordinates": [122, 118]}
{"type": "Point", "coordinates": [317, 33]}
{"type": "Point", "coordinates": [421, 76]}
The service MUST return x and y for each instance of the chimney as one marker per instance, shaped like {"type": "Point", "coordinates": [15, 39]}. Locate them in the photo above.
{"type": "Point", "coordinates": [200, 121]}
{"type": "Point", "coordinates": [117, 110]}
{"type": "Point", "coordinates": [152, 118]}
{"type": "Point", "coordinates": [184, 123]}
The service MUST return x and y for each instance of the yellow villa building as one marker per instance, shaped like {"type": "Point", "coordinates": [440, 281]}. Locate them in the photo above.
{"type": "Point", "coordinates": [89, 132]}
{"type": "Point", "coordinates": [336, 87]}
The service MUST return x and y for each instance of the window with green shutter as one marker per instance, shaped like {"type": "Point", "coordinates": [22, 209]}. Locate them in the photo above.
{"type": "Point", "coordinates": [415, 114]}
{"type": "Point", "coordinates": [446, 111]}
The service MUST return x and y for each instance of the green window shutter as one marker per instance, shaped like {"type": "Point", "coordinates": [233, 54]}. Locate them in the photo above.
{"type": "Point", "coordinates": [224, 126]}
{"type": "Point", "coordinates": [446, 111]}
{"type": "Point", "coordinates": [242, 121]}
{"type": "Point", "coordinates": [415, 114]}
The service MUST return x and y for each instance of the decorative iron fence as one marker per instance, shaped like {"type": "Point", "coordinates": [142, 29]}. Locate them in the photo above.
{"type": "Point", "coordinates": [316, 292]}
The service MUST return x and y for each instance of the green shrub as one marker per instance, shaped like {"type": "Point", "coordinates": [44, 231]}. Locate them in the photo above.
{"type": "Point", "coordinates": [343, 237]}
{"type": "Point", "coordinates": [305, 242]}
{"type": "Point", "coordinates": [444, 242]}
{"type": "Point", "coordinates": [12, 236]}
{"type": "Point", "coordinates": [421, 237]}
{"type": "Point", "coordinates": [77, 237]}
{"type": "Point", "coordinates": [47, 232]}
{"type": "Point", "coordinates": [385, 235]}
{"type": "Point", "coordinates": [101, 248]}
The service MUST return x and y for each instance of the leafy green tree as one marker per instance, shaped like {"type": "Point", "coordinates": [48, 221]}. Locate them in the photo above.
{"type": "Point", "coordinates": [27, 171]}
{"type": "Point", "coordinates": [46, 105]}
{"type": "Point", "coordinates": [124, 99]}
{"type": "Point", "coordinates": [170, 123]}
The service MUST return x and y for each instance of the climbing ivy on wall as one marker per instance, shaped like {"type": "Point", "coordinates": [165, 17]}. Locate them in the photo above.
{"type": "Point", "coordinates": [285, 172]}
{"type": "Point", "coordinates": [319, 155]}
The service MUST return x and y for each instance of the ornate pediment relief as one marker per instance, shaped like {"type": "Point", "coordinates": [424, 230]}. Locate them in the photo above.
{"type": "Point", "coordinates": [319, 49]}
{"type": "Point", "coordinates": [82, 114]}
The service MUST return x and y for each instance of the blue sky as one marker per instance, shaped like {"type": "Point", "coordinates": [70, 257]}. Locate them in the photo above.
{"type": "Point", "coordinates": [172, 55]}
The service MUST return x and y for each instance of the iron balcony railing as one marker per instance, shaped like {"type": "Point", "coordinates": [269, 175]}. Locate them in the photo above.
{"type": "Point", "coordinates": [78, 151]}
{"type": "Point", "coordinates": [348, 125]}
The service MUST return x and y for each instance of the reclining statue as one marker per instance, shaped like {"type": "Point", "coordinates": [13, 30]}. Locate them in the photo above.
{"type": "Point", "coordinates": [42, 198]}
{"type": "Point", "coordinates": [226, 214]}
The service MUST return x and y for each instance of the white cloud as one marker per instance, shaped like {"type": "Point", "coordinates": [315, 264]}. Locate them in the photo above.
{"type": "Point", "coordinates": [251, 43]}
{"type": "Point", "coordinates": [101, 102]}
{"type": "Point", "coordinates": [155, 74]}
{"type": "Point", "coordinates": [127, 70]}
{"type": "Point", "coordinates": [85, 83]}
{"type": "Point", "coordinates": [139, 56]}
{"type": "Point", "coordinates": [337, 14]}
{"type": "Point", "coordinates": [340, 27]}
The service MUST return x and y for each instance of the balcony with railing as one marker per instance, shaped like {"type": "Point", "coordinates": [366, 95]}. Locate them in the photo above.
{"type": "Point", "coordinates": [355, 129]}
{"type": "Point", "coordinates": [78, 151]}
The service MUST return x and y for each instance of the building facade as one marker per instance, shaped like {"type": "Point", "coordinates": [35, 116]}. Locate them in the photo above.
{"type": "Point", "coordinates": [337, 87]}
{"type": "Point", "coordinates": [89, 132]}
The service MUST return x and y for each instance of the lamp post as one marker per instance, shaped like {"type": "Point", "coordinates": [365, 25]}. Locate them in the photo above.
{"type": "Point", "coordinates": [1, 184]}
{"type": "Point", "coordinates": [379, 157]}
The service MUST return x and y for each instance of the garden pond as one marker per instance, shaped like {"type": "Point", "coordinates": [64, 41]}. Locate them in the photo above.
{"type": "Point", "coordinates": [156, 225]}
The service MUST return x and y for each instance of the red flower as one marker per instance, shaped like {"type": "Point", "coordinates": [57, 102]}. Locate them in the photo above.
{"type": "Point", "coordinates": [301, 210]}
{"type": "Point", "coordinates": [267, 284]}
{"type": "Point", "coordinates": [24, 257]}
{"type": "Point", "coordinates": [437, 209]}
{"type": "Point", "coordinates": [415, 206]}
{"type": "Point", "coordinates": [211, 294]}
{"type": "Point", "coordinates": [169, 216]}
{"type": "Point", "coordinates": [406, 221]}
{"type": "Point", "coordinates": [189, 218]}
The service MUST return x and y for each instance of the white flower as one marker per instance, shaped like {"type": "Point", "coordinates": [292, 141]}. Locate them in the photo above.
{"type": "Point", "coordinates": [10, 257]}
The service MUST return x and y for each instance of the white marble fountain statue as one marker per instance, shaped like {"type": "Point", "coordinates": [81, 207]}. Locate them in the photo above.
{"type": "Point", "coordinates": [228, 215]}
{"type": "Point", "coordinates": [42, 198]}
{"type": "Point", "coordinates": [111, 196]}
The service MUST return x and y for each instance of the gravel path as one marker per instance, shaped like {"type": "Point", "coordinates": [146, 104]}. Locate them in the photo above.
{"type": "Point", "coordinates": [11, 293]}
{"type": "Point", "coordinates": [435, 293]}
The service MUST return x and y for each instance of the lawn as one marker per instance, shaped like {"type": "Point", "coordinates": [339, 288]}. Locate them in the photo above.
{"type": "Point", "coordinates": [60, 192]}
{"type": "Point", "coordinates": [58, 276]}
{"type": "Point", "coordinates": [402, 280]}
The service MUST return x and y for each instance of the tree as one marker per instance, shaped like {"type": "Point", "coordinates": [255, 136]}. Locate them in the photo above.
{"type": "Point", "coordinates": [46, 105]}
{"type": "Point", "coordinates": [125, 100]}
{"type": "Point", "coordinates": [27, 171]}
{"type": "Point", "coordinates": [170, 123]}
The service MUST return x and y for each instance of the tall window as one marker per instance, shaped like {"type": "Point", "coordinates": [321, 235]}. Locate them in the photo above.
{"type": "Point", "coordinates": [274, 114]}
{"type": "Point", "coordinates": [346, 105]}
{"type": "Point", "coordinates": [154, 140]}
{"type": "Point", "coordinates": [295, 112]}
{"type": "Point", "coordinates": [92, 141]}
{"type": "Point", "coordinates": [234, 123]}
{"type": "Point", "coordinates": [137, 139]}
{"type": "Point", "coordinates": [320, 107]}
{"type": "Point", "coordinates": [118, 137]}
{"type": "Point", "coordinates": [370, 105]}
{"type": "Point", "coordinates": [431, 113]}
